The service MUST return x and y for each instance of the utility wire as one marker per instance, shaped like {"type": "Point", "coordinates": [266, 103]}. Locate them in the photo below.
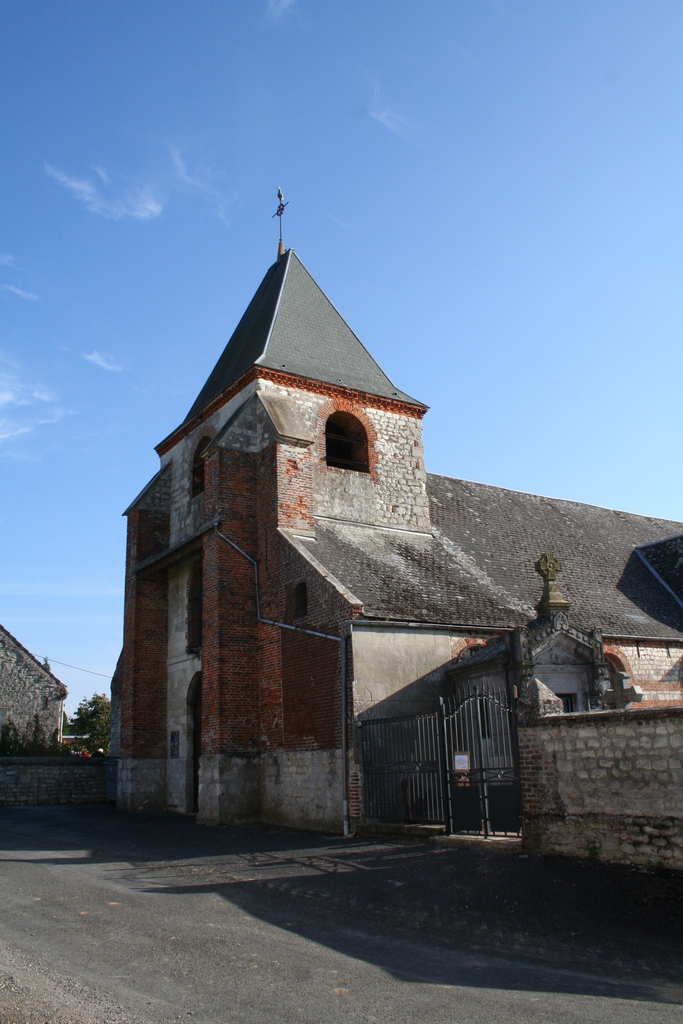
{"type": "Point", "coordinates": [78, 668]}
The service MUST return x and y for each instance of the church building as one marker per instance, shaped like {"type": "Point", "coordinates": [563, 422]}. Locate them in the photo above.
{"type": "Point", "coordinates": [293, 571]}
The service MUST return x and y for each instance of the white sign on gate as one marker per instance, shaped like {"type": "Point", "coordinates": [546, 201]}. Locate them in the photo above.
{"type": "Point", "coordinates": [461, 761]}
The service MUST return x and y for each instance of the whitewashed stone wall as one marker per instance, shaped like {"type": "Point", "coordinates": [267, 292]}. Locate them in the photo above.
{"type": "Point", "coordinates": [400, 671]}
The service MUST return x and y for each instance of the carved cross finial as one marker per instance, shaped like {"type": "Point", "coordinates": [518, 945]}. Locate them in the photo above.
{"type": "Point", "coordinates": [548, 566]}
{"type": "Point", "coordinates": [552, 602]}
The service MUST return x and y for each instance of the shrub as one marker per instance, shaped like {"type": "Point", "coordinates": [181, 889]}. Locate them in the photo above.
{"type": "Point", "coordinates": [31, 743]}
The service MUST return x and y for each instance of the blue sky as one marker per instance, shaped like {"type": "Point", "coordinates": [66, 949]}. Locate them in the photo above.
{"type": "Point", "coordinates": [489, 191]}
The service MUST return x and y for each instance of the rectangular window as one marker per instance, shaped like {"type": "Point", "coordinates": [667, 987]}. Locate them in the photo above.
{"type": "Point", "coordinates": [175, 744]}
{"type": "Point", "coordinates": [300, 600]}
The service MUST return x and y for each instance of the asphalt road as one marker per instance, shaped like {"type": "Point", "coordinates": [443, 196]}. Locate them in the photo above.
{"type": "Point", "coordinates": [107, 917]}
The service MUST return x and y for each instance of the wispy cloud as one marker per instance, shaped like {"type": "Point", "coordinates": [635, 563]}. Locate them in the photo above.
{"type": "Point", "coordinates": [341, 223]}
{"type": "Point", "coordinates": [277, 8]}
{"type": "Point", "coordinates": [6, 260]}
{"type": "Point", "coordinates": [20, 292]}
{"type": "Point", "coordinates": [107, 198]}
{"type": "Point", "coordinates": [25, 406]}
{"type": "Point", "coordinates": [396, 123]}
{"type": "Point", "coordinates": [201, 180]}
{"type": "Point", "coordinates": [103, 360]}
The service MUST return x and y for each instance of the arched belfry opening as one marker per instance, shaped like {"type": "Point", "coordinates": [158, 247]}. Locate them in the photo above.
{"type": "Point", "coordinates": [194, 731]}
{"type": "Point", "coordinates": [346, 443]}
{"type": "Point", "coordinates": [198, 467]}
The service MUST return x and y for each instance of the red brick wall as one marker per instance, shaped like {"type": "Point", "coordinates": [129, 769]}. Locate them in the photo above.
{"type": "Point", "coordinates": [538, 776]}
{"type": "Point", "coordinates": [145, 641]}
{"type": "Point", "coordinates": [295, 487]}
{"type": "Point", "coordinates": [310, 691]}
{"type": "Point", "coordinates": [230, 718]}
{"type": "Point", "coordinates": [262, 687]}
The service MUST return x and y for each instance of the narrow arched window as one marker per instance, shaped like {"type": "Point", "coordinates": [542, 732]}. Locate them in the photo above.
{"type": "Point", "coordinates": [198, 467]}
{"type": "Point", "coordinates": [346, 443]}
{"type": "Point", "coordinates": [300, 600]}
{"type": "Point", "coordinates": [194, 611]}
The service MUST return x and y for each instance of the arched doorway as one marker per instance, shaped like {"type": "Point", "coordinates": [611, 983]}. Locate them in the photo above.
{"type": "Point", "coordinates": [194, 729]}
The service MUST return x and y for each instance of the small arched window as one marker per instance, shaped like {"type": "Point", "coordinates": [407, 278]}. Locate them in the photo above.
{"type": "Point", "coordinates": [198, 467]}
{"type": "Point", "coordinates": [300, 600]}
{"type": "Point", "coordinates": [346, 443]}
{"type": "Point", "coordinates": [614, 665]}
{"type": "Point", "coordinates": [194, 611]}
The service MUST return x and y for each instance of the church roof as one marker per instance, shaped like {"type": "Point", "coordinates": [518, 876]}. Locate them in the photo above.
{"type": "Point", "coordinates": [291, 325]}
{"type": "Point", "coordinates": [477, 567]}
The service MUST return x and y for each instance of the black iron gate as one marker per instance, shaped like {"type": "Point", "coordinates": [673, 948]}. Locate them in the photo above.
{"type": "Point", "coordinates": [457, 767]}
{"type": "Point", "coordinates": [482, 766]}
{"type": "Point", "coordinates": [402, 774]}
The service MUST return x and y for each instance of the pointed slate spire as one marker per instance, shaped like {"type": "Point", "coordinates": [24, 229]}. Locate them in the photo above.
{"type": "Point", "coordinates": [291, 325]}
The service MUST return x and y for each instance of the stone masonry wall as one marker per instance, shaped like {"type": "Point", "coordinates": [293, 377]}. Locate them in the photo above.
{"type": "Point", "coordinates": [29, 781]}
{"type": "Point", "coordinates": [606, 784]}
{"type": "Point", "coordinates": [28, 689]}
{"type": "Point", "coordinates": [302, 788]}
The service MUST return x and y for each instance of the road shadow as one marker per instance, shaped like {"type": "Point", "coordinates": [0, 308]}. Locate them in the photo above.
{"type": "Point", "coordinates": [423, 913]}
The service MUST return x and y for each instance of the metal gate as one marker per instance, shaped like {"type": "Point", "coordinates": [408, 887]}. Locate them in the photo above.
{"type": "Point", "coordinates": [457, 767]}
{"type": "Point", "coordinates": [402, 771]}
{"type": "Point", "coordinates": [482, 764]}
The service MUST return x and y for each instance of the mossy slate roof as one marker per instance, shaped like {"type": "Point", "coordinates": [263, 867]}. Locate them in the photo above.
{"type": "Point", "coordinates": [291, 325]}
{"type": "Point", "coordinates": [477, 567]}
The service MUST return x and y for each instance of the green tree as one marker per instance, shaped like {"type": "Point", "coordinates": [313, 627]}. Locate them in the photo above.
{"type": "Point", "coordinates": [92, 721]}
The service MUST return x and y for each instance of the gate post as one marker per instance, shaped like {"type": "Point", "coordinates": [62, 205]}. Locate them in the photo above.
{"type": "Point", "coordinates": [482, 774]}
{"type": "Point", "coordinates": [442, 738]}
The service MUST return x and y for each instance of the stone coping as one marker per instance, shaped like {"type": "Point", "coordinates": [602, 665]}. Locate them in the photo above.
{"type": "Point", "coordinates": [65, 759]}
{"type": "Point", "coordinates": [598, 717]}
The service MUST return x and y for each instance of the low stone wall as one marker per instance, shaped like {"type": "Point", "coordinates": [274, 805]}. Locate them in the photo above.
{"type": "Point", "coordinates": [607, 785]}
{"type": "Point", "coordinates": [141, 784]}
{"type": "Point", "coordinates": [302, 788]}
{"type": "Point", "coordinates": [28, 781]}
{"type": "Point", "coordinates": [296, 788]}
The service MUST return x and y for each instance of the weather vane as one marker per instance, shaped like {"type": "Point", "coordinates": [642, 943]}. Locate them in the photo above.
{"type": "Point", "coordinates": [278, 213]}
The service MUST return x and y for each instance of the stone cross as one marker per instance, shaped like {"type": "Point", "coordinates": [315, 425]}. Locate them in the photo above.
{"type": "Point", "coordinates": [552, 602]}
{"type": "Point", "coordinates": [548, 566]}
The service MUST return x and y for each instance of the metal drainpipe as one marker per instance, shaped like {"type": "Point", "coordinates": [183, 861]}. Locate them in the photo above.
{"type": "Point", "coordinates": [341, 640]}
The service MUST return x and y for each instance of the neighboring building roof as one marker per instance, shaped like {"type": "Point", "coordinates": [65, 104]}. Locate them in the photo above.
{"type": "Point", "coordinates": [291, 325]}
{"type": "Point", "coordinates": [478, 567]}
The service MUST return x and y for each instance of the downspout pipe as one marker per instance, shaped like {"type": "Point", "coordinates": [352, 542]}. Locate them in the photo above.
{"type": "Point", "coordinates": [341, 640]}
